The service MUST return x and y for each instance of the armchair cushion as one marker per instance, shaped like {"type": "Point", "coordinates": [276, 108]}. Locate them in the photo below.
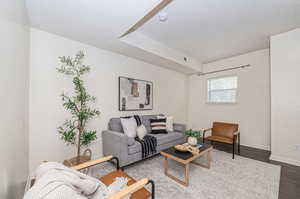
{"type": "Point", "coordinates": [140, 194]}
{"type": "Point", "coordinates": [225, 130]}
{"type": "Point", "coordinates": [220, 139]}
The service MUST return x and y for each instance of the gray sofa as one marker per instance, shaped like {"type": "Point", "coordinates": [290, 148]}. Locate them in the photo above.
{"type": "Point", "coordinates": [116, 143]}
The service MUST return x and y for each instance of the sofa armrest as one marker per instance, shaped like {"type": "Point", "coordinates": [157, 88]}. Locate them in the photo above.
{"type": "Point", "coordinates": [115, 144]}
{"type": "Point", "coordinates": [179, 127]}
{"type": "Point", "coordinates": [115, 135]}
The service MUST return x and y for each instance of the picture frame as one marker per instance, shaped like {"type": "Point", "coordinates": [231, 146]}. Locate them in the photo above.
{"type": "Point", "coordinates": [135, 94]}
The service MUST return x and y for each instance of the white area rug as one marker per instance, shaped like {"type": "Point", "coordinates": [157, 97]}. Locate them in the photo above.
{"type": "Point", "coordinates": [241, 178]}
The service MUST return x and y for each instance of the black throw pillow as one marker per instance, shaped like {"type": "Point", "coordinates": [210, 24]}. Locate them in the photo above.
{"type": "Point", "coordinates": [158, 126]}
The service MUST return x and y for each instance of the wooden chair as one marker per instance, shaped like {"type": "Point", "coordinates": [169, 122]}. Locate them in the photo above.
{"type": "Point", "coordinates": [225, 133]}
{"type": "Point", "coordinates": [135, 188]}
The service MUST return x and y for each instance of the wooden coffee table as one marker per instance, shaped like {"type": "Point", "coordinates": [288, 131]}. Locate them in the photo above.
{"type": "Point", "coordinates": [186, 158]}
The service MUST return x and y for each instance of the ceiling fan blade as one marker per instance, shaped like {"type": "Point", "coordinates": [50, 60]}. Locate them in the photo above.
{"type": "Point", "coordinates": [147, 17]}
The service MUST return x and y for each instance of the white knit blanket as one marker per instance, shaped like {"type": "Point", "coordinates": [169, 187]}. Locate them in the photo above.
{"type": "Point", "coordinates": [55, 181]}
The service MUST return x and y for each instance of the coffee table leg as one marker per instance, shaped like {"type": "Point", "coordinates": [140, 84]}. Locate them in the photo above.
{"type": "Point", "coordinates": [187, 173]}
{"type": "Point", "coordinates": [166, 165]}
{"type": "Point", "coordinates": [209, 159]}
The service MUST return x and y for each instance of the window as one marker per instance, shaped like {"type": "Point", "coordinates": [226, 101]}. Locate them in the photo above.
{"type": "Point", "coordinates": [222, 89]}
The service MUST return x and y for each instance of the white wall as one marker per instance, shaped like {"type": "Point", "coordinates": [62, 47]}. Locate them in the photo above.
{"type": "Point", "coordinates": [285, 81]}
{"type": "Point", "coordinates": [14, 47]}
{"type": "Point", "coordinates": [252, 110]}
{"type": "Point", "coordinates": [46, 112]}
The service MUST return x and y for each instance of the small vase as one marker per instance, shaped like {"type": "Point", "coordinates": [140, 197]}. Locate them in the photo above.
{"type": "Point", "coordinates": [192, 141]}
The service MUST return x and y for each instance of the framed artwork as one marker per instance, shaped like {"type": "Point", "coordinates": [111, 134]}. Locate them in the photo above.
{"type": "Point", "coordinates": [135, 94]}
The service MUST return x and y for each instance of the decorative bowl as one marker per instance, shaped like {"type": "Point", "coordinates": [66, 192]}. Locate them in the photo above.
{"type": "Point", "coordinates": [181, 148]}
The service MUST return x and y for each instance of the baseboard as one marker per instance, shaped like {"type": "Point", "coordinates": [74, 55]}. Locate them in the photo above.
{"type": "Point", "coordinates": [285, 160]}
{"type": "Point", "coordinates": [266, 148]}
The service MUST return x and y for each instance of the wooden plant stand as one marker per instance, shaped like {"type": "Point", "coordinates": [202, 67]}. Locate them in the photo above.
{"type": "Point", "coordinates": [87, 155]}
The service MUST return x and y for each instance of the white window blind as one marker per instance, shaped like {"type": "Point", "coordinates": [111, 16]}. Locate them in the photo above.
{"type": "Point", "coordinates": [222, 89]}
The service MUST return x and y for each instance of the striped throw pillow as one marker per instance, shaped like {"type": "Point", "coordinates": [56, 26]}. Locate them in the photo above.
{"type": "Point", "coordinates": [158, 126]}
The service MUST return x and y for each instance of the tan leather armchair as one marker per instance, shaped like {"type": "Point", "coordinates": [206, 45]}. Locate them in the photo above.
{"type": "Point", "coordinates": [225, 133]}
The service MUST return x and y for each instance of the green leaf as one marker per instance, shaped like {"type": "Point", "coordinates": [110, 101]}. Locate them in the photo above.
{"type": "Point", "coordinates": [192, 133]}
{"type": "Point", "coordinates": [88, 137]}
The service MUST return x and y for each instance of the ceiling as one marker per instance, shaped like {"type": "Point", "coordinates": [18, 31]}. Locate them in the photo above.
{"type": "Point", "coordinates": [203, 30]}
{"type": "Point", "coordinates": [213, 29]}
{"type": "Point", "coordinates": [96, 22]}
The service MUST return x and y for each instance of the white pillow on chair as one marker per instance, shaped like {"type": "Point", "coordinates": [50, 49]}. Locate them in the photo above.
{"type": "Point", "coordinates": [129, 126]}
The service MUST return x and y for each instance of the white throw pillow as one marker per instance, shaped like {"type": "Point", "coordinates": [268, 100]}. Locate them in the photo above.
{"type": "Point", "coordinates": [129, 126]}
{"type": "Point", "coordinates": [169, 122]}
{"type": "Point", "coordinates": [141, 131]}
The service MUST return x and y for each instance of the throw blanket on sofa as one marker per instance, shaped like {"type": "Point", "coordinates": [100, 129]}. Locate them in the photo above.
{"type": "Point", "coordinates": [149, 144]}
{"type": "Point", "coordinates": [55, 181]}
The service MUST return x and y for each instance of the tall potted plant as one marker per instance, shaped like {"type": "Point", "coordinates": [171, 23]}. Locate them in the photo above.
{"type": "Point", "coordinates": [74, 130]}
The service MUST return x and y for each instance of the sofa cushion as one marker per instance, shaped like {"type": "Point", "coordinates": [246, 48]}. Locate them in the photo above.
{"type": "Point", "coordinates": [166, 138]}
{"type": "Point", "coordinates": [130, 141]}
{"type": "Point", "coordinates": [146, 121]}
{"type": "Point", "coordinates": [129, 126]}
{"type": "Point", "coordinates": [179, 127]}
{"type": "Point", "coordinates": [115, 125]}
{"type": "Point", "coordinates": [158, 126]}
{"type": "Point", "coordinates": [135, 148]}
{"type": "Point", "coordinates": [169, 122]}
{"type": "Point", "coordinates": [141, 132]}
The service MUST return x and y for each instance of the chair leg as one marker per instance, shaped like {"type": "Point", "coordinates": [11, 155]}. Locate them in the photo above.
{"type": "Point", "coordinates": [233, 150]}
{"type": "Point", "coordinates": [239, 144]}
{"type": "Point", "coordinates": [152, 189]}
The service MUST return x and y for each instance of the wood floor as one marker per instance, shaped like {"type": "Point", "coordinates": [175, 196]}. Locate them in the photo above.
{"type": "Point", "coordinates": [290, 175]}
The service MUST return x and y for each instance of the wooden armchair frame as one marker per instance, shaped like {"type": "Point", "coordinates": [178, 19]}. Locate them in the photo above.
{"type": "Point", "coordinates": [236, 138]}
{"type": "Point", "coordinates": [125, 192]}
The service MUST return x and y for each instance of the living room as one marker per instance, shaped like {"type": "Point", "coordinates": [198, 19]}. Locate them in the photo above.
{"type": "Point", "coordinates": [205, 65]}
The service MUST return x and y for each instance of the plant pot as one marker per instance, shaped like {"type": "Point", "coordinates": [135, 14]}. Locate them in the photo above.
{"type": "Point", "coordinates": [87, 154]}
{"type": "Point", "coordinates": [76, 161]}
{"type": "Point", "coordinates": [192, 141]}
